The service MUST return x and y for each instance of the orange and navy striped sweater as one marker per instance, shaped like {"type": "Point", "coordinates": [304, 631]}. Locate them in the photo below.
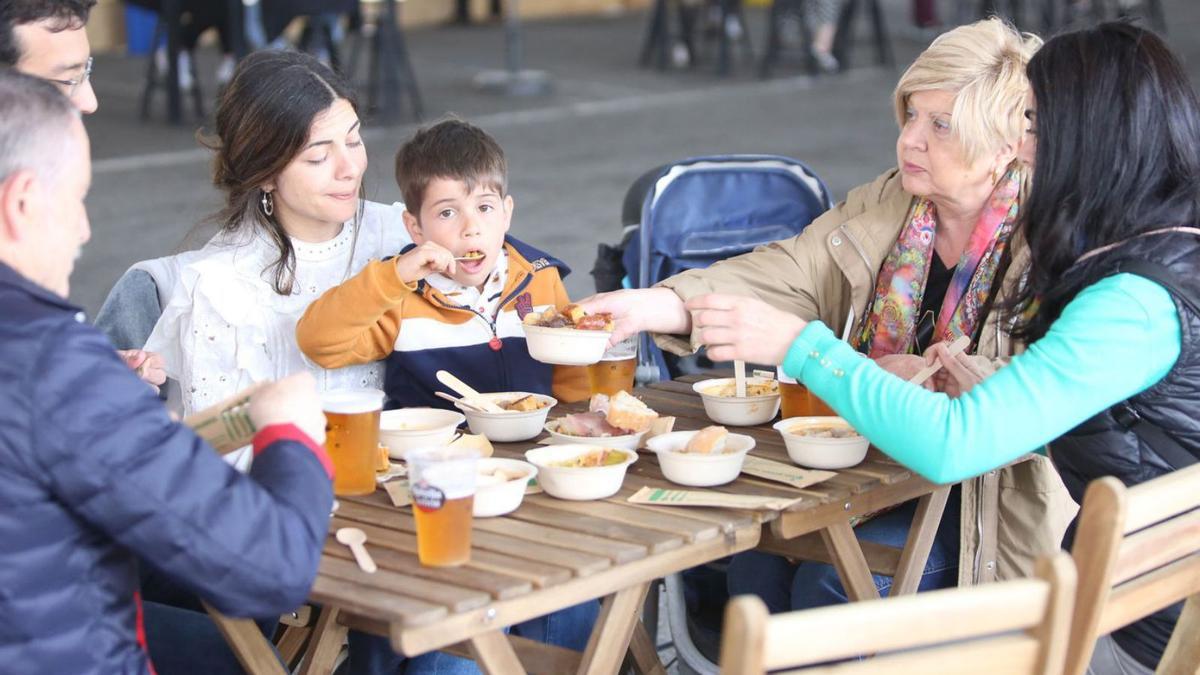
{"type": "Point", "coordinates": [418, 331]}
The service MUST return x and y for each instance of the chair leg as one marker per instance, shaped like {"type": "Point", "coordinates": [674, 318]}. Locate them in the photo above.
{"type": "Point", "coordinates": [771, 53]}
{"type": "Point", "coordinates": [152, 73]}
{"type": "Point", "coordinates": [883, 46]}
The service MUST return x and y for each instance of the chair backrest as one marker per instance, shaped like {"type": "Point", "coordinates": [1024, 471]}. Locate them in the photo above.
{"type": "Point", "coordinates": [1138, 551]}
{"type": "Point", "coordinates": [704, 209]}
{"type": "Point", "coordinates": [1008, 627]}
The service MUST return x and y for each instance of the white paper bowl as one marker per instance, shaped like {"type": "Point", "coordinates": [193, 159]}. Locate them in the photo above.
{"type": "Point", "coordinates": [738, 412]}
{"type": "Point", "coordinates": [577, 484]}
{"type": "Point", "coordinates": [566, 346]}
{"type": "Point", "coordinates": [699, 470]}
{"type": "Point", "coordinates": [500, 498]}
{"type": "Point", "coordinates": [509, 427]}
{"type": "Point", "coordinates": [407, 428]}
{"type": "Point", "coordinates": [623, 442]}
{"type": "Point", "coordinates": [822, 453]}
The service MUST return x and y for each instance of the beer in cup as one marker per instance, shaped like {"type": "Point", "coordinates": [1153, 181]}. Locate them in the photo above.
{"type": "Point", "coordinates": [798, 401]}
{"type": "Point", "coordinates": [442, 483]}
{"type": "Point", "coordinates": [615, 371]}
{"type": "Point", "coordinates": [352, 437]}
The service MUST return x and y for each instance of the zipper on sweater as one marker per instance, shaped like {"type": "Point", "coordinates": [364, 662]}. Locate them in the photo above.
{"type": "Point", "coordinates": [866, 263]}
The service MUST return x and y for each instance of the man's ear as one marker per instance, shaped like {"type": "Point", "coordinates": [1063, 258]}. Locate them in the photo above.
{"type": "Point", "coordinates": [19, 205]}
{"type": "Point", "coordinates": [413, 225]}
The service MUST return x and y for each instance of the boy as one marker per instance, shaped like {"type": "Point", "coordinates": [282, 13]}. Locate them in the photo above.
{"type": "Point", "coordinates": [455, 298]}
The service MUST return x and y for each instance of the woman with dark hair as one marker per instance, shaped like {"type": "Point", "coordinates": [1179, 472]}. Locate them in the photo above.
{"type": "Point", "coordinates": [290, 161]}
{"type": "Point", "coordinates": [1110, 308]}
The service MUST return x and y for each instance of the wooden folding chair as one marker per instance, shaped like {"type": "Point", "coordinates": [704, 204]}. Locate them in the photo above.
{"type": "Point", "coordinates": [1138, 550]}
{"type": "Point", "coordinates": [1008, 627]}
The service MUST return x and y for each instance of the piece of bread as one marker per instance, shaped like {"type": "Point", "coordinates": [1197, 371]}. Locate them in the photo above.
{"type": "Point", "coordinates": [525, 404]}
{"type": "Point", "coordinates": [708, 441]}
{"type": "Point", "coordinates": [627, 412]}
{"type": "Point", "coordinates": [573, 313]}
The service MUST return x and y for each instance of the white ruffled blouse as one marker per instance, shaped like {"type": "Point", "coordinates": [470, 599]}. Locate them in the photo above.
{"type": "Point", "coordinates": [224, 327]}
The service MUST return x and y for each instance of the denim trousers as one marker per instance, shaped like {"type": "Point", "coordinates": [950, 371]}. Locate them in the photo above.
{"type": "Point", "coordinates": [787, 586]}
{"type": "Point", "coordinates": [373, 655]}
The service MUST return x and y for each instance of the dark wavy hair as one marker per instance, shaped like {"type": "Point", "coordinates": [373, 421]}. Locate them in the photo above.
{"type": "Point", "coordinates": [262, 122]}
{"type": "Point", "coordinates": [1118, 155]}
{"type": "Point", "coordinates": [65, 15]}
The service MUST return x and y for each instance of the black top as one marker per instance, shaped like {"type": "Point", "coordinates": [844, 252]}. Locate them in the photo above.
{"type": "Point", "coordinates": [936, 286]}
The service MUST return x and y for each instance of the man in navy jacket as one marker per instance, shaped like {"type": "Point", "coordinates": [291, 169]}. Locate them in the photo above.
{"type": "Point", "coordinates": [94, 475]}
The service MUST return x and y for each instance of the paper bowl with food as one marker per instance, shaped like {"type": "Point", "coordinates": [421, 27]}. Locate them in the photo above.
{"type": "Point", "coordinates": [619, 421]}
{"type": "Point", "coordinates": [822, 442]}
{"type": "Point", "coordinates": [500, 485]}
{"type": "Point", "coordinates": [580, 472]}
{"type": "Point", "coordinates": [523, 417]}
{"type": "Point", "coordinates": [722, 405]}
{"type": "Point", "coordinates": [407, 428]}
{"type": "Point", "coordinates": [710, 456]}
{"type": "Point", "coordinates": [570, 337]}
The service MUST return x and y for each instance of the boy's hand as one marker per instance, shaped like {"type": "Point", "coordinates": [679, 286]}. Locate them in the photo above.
{"type": "Point", "coordinates": [424, 260]}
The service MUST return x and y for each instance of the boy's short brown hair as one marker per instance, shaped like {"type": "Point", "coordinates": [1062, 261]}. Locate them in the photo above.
{"type": "Point", "coordinates": [451, 149]}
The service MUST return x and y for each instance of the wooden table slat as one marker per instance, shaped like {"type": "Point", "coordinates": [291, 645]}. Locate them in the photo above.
{"type": "Point", "coordinates": [665, 521]}
{"type": "Point", "coordinates": [617, 551]}
{"type": "Point", "coordinates": [578, 562]}
{"type": "Point", "coordinates": [352, 597]}
{"type": "Point", "coordinates": [455, 598]}
{"type": "Point", "coordinates": [656, 541]}
{"type": "Point", "coordinates": [537, 573]}
{"type": "Point", "coordinates": [498, 586]}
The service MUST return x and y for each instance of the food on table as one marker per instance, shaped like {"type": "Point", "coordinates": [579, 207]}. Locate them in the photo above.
{"type": "Point", "coordinates": [595, 458]}
{"type": "Point", "coordinates": [729, 389]}
{"type": "Point", "coordinates": [382, 461]}
{"type": "Point", "coordinates": [571, 316]}
{"type": "Point", "coordinates": [497, 476]}
{"type": "Point", "coordinates": [618, 415]}
{"type": "Point", "coordinates": [524, 404]}
{"type": "Point", "coordinates": [708, 441]}
{"type": "Point", "coordinates": [823, 431]}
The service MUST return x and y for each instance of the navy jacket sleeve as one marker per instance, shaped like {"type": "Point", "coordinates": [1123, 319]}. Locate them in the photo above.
{"type": "Point", "coordinates": [249, 544]}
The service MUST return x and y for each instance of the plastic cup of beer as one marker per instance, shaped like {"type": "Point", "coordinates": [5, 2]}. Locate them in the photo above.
{"type": "Point", "coordinates": [614, 372]}
{"type": "Point", "coordinates": [798, 401]}
{"type": "Point", "coordinates": [442, 483]}
{"type": "Point", "coordinates": [352, 438]}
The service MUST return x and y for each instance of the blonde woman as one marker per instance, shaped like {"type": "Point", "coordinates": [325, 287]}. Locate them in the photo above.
{"type": "Point", "coordinates": [918, 256]}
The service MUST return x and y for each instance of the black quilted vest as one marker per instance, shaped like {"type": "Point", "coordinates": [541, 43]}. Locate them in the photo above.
{"type": "Point", "coordinates": [1155, 431]}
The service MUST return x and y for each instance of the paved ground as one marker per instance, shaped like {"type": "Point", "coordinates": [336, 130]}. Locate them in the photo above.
{"type": "Point", "coordinates": [572, 154]}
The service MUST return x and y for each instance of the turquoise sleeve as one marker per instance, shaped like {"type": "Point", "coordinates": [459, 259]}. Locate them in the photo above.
{"type": "Point", "coordinates": [1113, 340]}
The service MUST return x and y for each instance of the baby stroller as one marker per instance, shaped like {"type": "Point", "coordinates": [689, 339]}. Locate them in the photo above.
{"type": "Point", "coordinates": [692, 213]}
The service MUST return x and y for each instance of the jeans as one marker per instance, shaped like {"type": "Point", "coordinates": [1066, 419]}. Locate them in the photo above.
{"type": "Point", "coordinates": [186, 641]}
{"type": "Point", "coordinates": [786, 586]}
{"type": "Point", "coordinates": [180, 635]}
{"type": "Point", "coordinates": [373, 655]}
{"type": "Point", "coordinates": [1110, 659]}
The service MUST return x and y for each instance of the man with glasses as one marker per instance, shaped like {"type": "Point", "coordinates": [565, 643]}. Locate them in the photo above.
{"type": "Point", "coordinates": [47, 39]}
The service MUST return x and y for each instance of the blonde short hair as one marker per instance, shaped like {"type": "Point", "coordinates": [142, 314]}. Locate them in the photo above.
{"type": "Point", "coordinates": [983, 65]}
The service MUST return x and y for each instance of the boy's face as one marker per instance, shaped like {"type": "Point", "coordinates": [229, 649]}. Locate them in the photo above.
{"type": "Point", "coordinates": [463, 222]}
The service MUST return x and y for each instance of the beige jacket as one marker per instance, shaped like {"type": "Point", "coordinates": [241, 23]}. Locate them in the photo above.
{"type": "Point", "coordinates": [1009, 516]}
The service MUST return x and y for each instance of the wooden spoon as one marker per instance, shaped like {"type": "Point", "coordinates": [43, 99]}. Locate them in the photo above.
{"type": "Point", "coordinates": [739, 378]}
{"type": "Point", "coordinates": [927, 372]}
{"type": "Point", "coordinates": [461, 401]}
{"type": "Point", "coordinates": [355, 538]}
{"type": "Point", "coordinates": [464, 390]}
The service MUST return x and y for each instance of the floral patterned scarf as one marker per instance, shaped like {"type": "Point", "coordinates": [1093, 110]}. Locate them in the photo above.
{"type": "Point", "coordinates": [899, 288]}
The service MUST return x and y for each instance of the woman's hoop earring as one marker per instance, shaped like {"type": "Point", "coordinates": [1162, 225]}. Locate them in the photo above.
{"type": "Point", "coordinates": [268, 204]}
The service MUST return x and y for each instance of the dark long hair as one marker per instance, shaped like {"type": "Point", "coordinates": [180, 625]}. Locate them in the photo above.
{"type": "Point", "coordinates": [263, 121]}
{"type": "Point", "coordinates": [1118, 155]}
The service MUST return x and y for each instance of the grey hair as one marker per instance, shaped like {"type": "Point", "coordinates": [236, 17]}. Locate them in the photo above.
{"type": "Point", "coordinates": [35, 118]}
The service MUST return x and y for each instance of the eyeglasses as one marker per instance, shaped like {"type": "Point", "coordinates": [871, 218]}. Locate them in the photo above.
{"type": "Point", "coordinates": [69, 87]}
